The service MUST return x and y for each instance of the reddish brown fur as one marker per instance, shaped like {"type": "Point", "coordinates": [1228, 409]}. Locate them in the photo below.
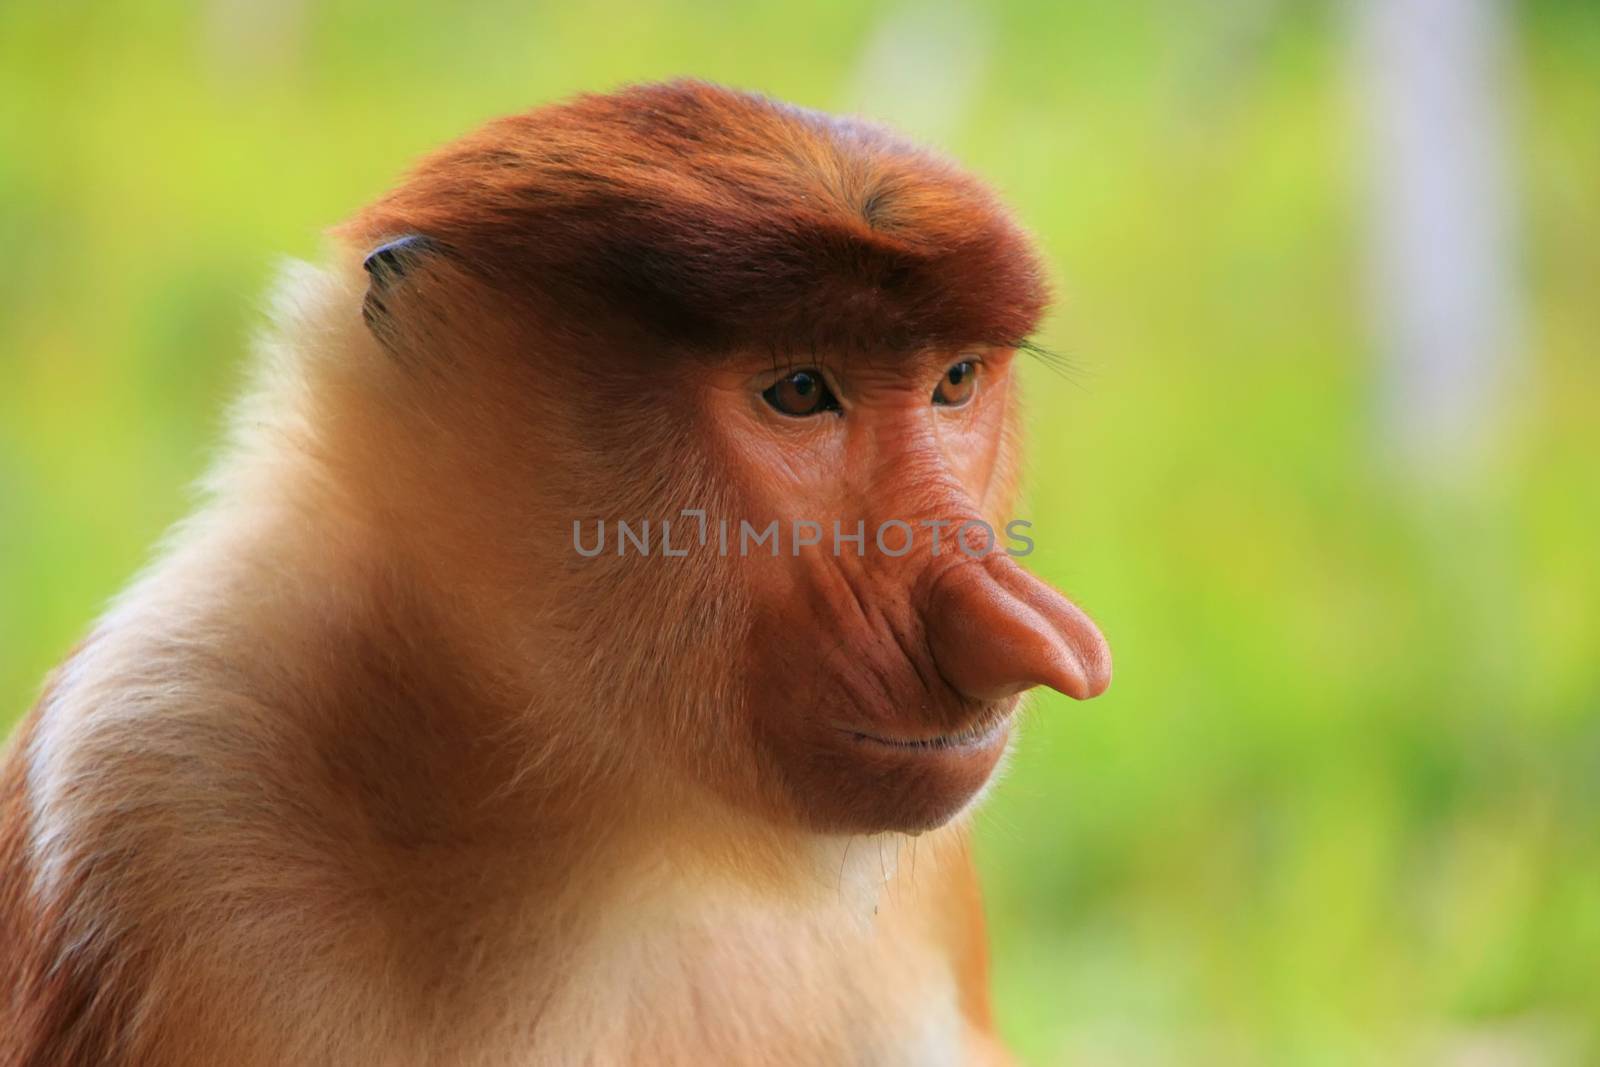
{"type": "Point", "coordinates": [50, 1013]}
{"type": "Point", "coordinates": [723, 220]}
{"type": "Point", "coordinates": [371, 769]}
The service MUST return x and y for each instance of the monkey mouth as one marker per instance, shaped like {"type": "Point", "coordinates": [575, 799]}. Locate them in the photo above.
{"type": "Point", "coordinates": [981, 733]}
{"type": "Point", "coordinates": [917, 779]}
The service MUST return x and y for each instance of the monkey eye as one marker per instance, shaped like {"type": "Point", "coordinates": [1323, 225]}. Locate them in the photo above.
{"type": "Point", "coordinates": [958, 385]}
{"type": "Point", "coordinates": [800, 394]}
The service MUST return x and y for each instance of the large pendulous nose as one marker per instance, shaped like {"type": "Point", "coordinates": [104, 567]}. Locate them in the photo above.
{"type": "Point", "coordinates": [994, 630]}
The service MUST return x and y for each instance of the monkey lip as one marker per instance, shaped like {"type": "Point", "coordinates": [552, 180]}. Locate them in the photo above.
{"type": "Point", "coordinates": [981, 733]}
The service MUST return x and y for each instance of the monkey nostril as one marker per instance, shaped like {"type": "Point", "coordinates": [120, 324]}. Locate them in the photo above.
{"type": "Point", "coordinates": [995, 630]}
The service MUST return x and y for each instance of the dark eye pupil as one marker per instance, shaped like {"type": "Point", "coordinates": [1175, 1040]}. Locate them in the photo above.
{"type": "Point", "coordinates": [803, 383]}
{"type": "Point", "coordinates": [959, 372]}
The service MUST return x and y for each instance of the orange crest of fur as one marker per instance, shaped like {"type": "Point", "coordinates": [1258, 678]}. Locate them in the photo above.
{"type": "Point", "coordinates": [715, 219]}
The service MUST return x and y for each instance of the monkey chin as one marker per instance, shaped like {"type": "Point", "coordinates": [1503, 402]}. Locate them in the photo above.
{"type": "Point", "coordinates": [870, 778]}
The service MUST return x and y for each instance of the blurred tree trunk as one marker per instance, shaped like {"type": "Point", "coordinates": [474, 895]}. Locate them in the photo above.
{"type": "Point", "coordinates": [1443, 284]}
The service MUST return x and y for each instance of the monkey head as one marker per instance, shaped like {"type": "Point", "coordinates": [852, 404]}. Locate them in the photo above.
{"type": "Point", "coordinates": [783, 346]}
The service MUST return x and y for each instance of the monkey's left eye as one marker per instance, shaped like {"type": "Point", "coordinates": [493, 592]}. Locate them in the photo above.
{"type": "Point", "coordinates": [802, 393]}
{"type": "Point", "coordinates": [958, 385]}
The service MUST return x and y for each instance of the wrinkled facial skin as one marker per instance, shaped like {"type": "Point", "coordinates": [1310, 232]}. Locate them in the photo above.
{"type": "Point", "coordinates": [881, 688]}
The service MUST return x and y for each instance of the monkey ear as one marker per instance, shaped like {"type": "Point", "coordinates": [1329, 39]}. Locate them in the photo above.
{"type": "Point", "coordinates": [390, 260]}
{"type": "Point", "coordinates": [387, 266]}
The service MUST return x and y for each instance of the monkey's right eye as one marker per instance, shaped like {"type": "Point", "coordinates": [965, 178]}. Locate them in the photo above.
{"type": "Point", "coordinates": [800, 394]}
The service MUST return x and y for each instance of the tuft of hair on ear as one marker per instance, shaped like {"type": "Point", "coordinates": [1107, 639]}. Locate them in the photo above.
{"type": "Point", "coordinates": [389, 266]}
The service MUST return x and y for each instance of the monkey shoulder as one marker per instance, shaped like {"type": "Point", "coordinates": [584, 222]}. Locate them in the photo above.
{"type": "Point", "coordinates": [152, 852]}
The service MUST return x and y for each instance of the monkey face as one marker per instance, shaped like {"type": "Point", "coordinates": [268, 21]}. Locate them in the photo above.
{"type": "Point", "coordinates": [888, 644]}
{"type": "Point", "coordinates": [596, 295]}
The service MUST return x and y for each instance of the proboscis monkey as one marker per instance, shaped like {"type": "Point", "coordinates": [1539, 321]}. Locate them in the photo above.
{"type": "Point", "coordinates": [383, 763]}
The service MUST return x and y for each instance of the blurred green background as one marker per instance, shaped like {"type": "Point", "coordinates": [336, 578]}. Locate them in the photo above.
{"type": "Point", "coordinates": [1342, 805]}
